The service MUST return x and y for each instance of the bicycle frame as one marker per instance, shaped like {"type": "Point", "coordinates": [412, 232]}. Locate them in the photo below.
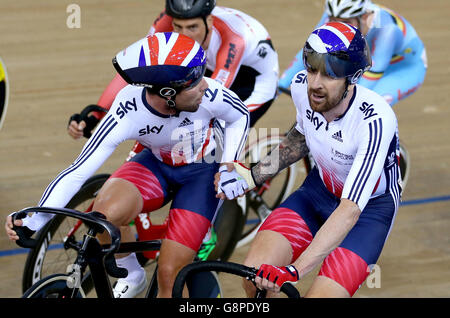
{"type": "Point", "coordinates": [146, 231]}
{"type": "Point", "coordinates": [99, 258]}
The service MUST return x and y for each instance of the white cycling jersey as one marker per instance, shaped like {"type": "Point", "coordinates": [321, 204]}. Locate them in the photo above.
{"type": "Point", "coordinates": [357, 153]}
{"type": "Point", "coordinates": [237, 40]}
{"type": "Point", "coordinates": [175, 140]}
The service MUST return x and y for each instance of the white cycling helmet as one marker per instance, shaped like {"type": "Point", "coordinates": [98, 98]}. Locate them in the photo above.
{"type": "Point", "coordinates": [346, 9]}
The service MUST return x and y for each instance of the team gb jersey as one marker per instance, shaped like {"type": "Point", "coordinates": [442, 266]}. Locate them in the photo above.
{"type": "Point", "coordinates": [185, 138]}
{"type": "Point", "coordinates": [357, 153]}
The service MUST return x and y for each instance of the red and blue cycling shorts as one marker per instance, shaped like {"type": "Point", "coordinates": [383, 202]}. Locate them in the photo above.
{"type": "Point", "coordinates": [190, 188]}
{"type": "Point", "coordinates": [299, 218]}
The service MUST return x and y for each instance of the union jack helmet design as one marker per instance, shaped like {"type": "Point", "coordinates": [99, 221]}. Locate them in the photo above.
{"type": "Point", "coordinates": [162, 60]}
{"type": "Point", "coordinates": [338, 50]}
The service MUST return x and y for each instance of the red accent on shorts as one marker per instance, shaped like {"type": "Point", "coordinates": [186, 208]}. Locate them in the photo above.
{"type": "Point", "coordinates": [187, 228]}
{"type": "Point", "coordinates": [346, 268]}
{"type": "Point", "coordinates": [292, 227]}
{"type": "Point", "coordinates": [146, 182]}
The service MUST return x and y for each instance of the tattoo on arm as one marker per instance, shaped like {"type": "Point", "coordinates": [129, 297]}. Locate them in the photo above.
{"type": "Point", "coordinates": [290, 150]}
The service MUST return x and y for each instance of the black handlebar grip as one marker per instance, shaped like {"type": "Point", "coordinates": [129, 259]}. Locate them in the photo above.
{"type": "Point", "coordinates": [290, 290]}
{"type": "Point", "coordinates": [91, 121]}
{"type": "Point", "coordinates": [23, 232]}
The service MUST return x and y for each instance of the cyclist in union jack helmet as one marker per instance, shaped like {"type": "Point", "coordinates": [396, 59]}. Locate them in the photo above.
{"type": "Point", "coordinates": [343, 213]}
{"type": "Point", "coordinates": [170, 108]}
{"type": "Point", "coordinates": [399, 60]}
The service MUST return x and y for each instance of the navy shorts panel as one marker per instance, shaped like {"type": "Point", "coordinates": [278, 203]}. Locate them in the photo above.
{"type": "Point", "coordinates": [196, 191]}
{"type": "Point", "coordinates": [370, 232]}
{"type": "Point", "coordinates": [314, 203]}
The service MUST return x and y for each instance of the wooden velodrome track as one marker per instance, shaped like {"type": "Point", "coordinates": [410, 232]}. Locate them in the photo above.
{"type": "Point", "coordinates": [54, 71]}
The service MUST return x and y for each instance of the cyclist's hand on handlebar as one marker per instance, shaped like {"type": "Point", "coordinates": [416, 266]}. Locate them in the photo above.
{"type": "Point", "coordinates": [19, 232]}
{"type": "Point", "coordinates": [83, 123]}
{"type": "Point", "coordinates": [273, 277]}
{"type": "Point", "coordinates": [229, 183]}
{"type": "Point", "coordinates": [12, 235]}
{"type": "Point", "coordinates": [75, 128]}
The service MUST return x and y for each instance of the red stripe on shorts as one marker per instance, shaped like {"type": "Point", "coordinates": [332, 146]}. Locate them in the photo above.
{"type": "Point", "coordinates": [292, 226]}
{"type": "Point", "coordinates": [187, 228]}
{"type": "Point", "coordinates": [146, 182]}
{"type": "Point", "coordinates": [346, 268]}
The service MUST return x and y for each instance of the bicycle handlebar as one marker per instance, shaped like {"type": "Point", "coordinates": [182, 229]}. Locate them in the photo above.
{"type": "Point", "coordinates": [91, 108]}
{"type": "Point", "coordinates": [94, 219]}
{"type": "Point", "coordinates": [91, 121]}
{"type": "Point", "coordinates": [226, 267]}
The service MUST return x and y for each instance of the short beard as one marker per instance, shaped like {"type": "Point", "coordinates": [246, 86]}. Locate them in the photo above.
{"type": "Point", "coordinates": [329, 104]}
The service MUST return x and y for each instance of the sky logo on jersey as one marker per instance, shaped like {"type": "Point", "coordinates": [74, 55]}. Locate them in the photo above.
{"type": "Point", "coordinates": [314, 119]}
{"type": "Point", "coordinates": [150, 130]}
{"type": "Point", "coordinates": [368, 110]}
{"type": "Point", "coordinates": [123, 109]}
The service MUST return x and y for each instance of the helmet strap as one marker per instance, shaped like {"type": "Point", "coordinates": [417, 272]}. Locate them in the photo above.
{"type": "Point", "coordinates": [206, 30]}
{"type": "Point", "coordinates": [344, 95]}
{"type": "Point", "coordinates": [359, 18]}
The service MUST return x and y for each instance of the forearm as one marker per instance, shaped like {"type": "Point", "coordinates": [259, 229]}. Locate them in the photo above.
{"type": "Point", "coordinates": [329, 236]}
{"type": "Point", "coordinates": [290, 150]}
{"type": "Point", "coordinates": [235, 136]}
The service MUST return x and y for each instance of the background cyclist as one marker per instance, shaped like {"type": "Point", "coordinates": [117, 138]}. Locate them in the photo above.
{"type": "Point", "coordinates": [343, 212]}
{"type": "Point", "coordinates": [399, 60]}
{"type": "Point", "coordinates": [240, 55]}
{"type": "Point", "coordinates": [170, 108]}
